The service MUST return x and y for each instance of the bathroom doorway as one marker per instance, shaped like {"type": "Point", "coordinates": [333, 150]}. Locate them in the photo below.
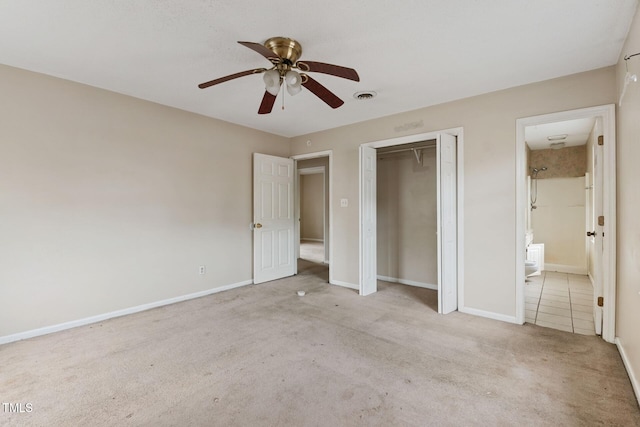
{"type": "Point", "coordinates": [566, 190]}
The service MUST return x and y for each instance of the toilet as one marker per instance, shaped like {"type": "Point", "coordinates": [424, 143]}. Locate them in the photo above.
{"type": "Point", "coordinates": [530, 267]}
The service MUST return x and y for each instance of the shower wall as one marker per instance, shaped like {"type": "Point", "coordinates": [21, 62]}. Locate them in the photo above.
{"type": "Point", "coordinates": [562, 163]}
{"type": "Point", "coordinates": [559, 223]}
{"type": "Point", "coordinates": [407, 218]}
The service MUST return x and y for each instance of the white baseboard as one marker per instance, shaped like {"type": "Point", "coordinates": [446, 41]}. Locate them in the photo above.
{"type": "Point", "coordinates": [408, 282]}
{"type": "Point", "coordinates": [118, 313]}
{"type": "Point", "coordinates": [561, 268]}
{"type": "Point", "coordinates": [345, 284]}
{"type": "Point", "coordinates": [489, 315]}
{"type": "Point", "coordinates": [632, 376]}
{"type": "Point", "coordinates": [312, 240]}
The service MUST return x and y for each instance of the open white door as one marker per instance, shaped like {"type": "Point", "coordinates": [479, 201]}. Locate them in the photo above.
{"type": "Point", "coordinates": [598, 237]}
{"type": "Point", "coordinates": [447, 224]}
{"type": "Point", "coordinates": [273, 218]}
{"type": "Point", "coordinates": [368, 248]}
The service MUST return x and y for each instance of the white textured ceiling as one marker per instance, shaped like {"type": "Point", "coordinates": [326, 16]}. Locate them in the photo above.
{"type": "Point", "coordinates": [577, 133]}
{"type": "Point", "coordinates": [412, 53]}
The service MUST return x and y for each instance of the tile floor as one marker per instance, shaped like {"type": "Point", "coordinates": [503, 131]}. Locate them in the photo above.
{"type": "Point", "coordinates": [560, 301]}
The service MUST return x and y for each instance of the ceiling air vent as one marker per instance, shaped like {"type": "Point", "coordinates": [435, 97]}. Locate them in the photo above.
{"type": "Point", "coordinates": [363, 96]}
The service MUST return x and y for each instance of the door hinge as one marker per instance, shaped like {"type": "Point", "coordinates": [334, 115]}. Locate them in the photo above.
{"type": "Point", "coordinates": [601, 220]}
{"type": "Point", "coordinates": [601, 140]}
{"type": "Point", "coordinates": [600, 301]}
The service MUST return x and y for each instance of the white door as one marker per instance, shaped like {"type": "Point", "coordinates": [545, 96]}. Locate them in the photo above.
{"type": "Point", "coordinates": [273, 218]}
{"type": "Point", "coordinates": [368, 247]}
{"type": "Point", "coordinates": [447, 224]}
{"type": "Point", "coordinates": [598, 238]}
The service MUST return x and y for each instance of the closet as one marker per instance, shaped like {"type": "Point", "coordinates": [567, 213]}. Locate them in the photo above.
{"type": "Point", "coordinates": [407, 214]}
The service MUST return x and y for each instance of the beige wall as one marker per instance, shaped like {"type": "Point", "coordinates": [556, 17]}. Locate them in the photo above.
{"type": "Point", "coordinates": [407, 217]}
{"type": "Point", "coordinates": [628, 179]}
{"type": "Point", "coordinates": [109, 202]}
{"type": "Point", "coordinates": [489, 174]}
{"type": "Point", "coordinates": [312, 206]}
{"type": "Point", "coordinates": [559, 223]}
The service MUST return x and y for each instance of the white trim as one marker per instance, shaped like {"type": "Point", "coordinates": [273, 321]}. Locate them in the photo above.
{"type": "Point", "coordinates": [460, 186]}
{"type": "Point", "coordinates": [489, 314]}
{"type": "Point", "coordinates": [459, 133]}
{"type": "Point", "coordinates": [563, 268]}
{"type": "Point", "coordinates": [118, 313]}
{"type": "Point", "coordinates": [408, 282]}
{"type": "Point", "coordinates": [329, 154]}
{"type": "Point", "coordinates": [345, 284]}
{"type": "Point", "coordinates": [632, 376]}
{"type": "Point", "coordinates": [607, 112]}
{"type": "Point", "coordinates": [412, 138]}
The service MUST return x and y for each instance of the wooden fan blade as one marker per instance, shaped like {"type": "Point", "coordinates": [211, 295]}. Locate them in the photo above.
{"type": "Point", "coordinates": [267, 103]}
{"type": "Point", "coordinates": [230, 77]}
{"type": "Point", "coordinates": [262, 50]}
{"type": "Point", "coordinates": [334, 70]}
{"type": "Point", "coordinates": [322, 92]}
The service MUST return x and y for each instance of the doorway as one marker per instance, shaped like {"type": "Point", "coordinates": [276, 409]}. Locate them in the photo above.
{"type": "Point", "coordinates": [312, 208]}
{"type": "Point", "coordinates": [565, 198]}
{"type": "Point", "coordinates": [449, 214]}
{"type": "Point", "coordinates": [313, 236]}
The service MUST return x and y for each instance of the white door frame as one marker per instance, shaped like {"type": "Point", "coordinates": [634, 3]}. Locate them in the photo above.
{"type": "Point", "coordinates": [329, 154]}
{"type": "Point", "coordinates": [459, 133]}
{"type": "Point", "coordinates": [607, 113]}
{"type": "Point", "coordinates": [316, 170]}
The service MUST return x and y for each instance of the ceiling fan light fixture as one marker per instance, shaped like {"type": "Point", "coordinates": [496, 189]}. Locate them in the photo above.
{"type": "Point", "coordinates": [293, 81]}
{"type": "Point", "coordinates": [271, 80]}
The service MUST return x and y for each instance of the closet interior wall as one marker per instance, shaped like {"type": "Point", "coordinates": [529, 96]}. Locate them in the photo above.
{"type": "Point", "coordinates": [407, 217]}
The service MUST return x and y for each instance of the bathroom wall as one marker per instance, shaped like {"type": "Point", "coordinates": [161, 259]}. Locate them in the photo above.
{"type": "Point", "coordinates": [407, 217]}
{"type": "Point", "coordinates": [559, 223]}
{"type": "Point", "coordinates": [564, 162]}
{"type": "Point", "coordinates": [311, 207]}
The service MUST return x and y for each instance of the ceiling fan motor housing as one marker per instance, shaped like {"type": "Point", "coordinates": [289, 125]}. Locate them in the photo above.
{"type": "Point", "coordinates": [287, 49]}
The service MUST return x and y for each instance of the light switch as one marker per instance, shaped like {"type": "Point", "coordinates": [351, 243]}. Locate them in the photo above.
{"type": "Point", "coordinates": [344, 203]}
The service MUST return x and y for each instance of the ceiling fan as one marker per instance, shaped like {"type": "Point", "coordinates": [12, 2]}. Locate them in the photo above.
{"type": "Point", "coordinates": [283, 53]}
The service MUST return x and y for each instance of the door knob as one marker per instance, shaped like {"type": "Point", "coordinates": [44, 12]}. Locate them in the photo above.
{"type": "Point", "coordinates": [591, 233]}
{"type": "Point", "coordinates": [258, 225]}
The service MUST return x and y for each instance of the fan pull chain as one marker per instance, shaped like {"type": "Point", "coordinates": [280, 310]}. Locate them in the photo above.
{"type": "Point", "coordinates": [283, 95]}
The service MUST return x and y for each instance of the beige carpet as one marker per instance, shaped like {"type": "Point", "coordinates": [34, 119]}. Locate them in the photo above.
{"type": "Point", "coordinates": [262, 356]}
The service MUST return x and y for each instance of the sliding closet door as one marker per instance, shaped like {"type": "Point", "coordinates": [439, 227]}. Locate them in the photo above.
{"type": "Point", "coordinates": [368, 248]}
{"type": "Point", "coordinates": [447, 224]}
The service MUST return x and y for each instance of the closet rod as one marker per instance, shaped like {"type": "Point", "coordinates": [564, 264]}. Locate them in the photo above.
{"type": "Point", "coordinates": [406, 149]}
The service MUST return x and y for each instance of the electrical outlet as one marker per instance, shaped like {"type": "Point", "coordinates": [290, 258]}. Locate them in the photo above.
{"type": "Point", "coordinates": [344, 203]}
{"type": "Point", "coordinates": [202, 269]}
